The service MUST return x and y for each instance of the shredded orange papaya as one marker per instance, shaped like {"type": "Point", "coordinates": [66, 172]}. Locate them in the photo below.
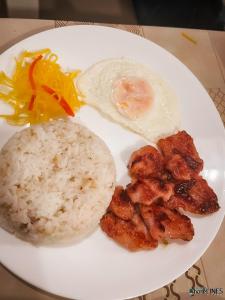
{"type": "Point", "coordinates": [61, 100]}
{"type": "Point", "coordinates": [38, 89]}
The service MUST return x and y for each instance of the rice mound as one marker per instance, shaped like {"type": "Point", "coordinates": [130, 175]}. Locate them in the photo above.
{"type": "Point", "coordinates": [56, 181]}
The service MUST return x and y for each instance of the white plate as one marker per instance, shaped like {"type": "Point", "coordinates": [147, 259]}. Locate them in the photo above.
{"type": "Point", "coordinates": [97, 268]}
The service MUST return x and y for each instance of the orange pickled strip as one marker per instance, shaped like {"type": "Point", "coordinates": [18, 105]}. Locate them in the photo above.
{"type": "Point", "coordinates": [31, 71]}
{"type": "Point", "coordinates": [63, 103]}
{"type": "Point", "coordinates": [32, 82]}
{"type": "Point", "coordinates": [31, 103]}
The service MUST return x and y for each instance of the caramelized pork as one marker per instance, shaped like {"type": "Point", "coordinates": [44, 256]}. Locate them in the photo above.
{"type": "Point", "coordinates": [146, 212]}
{"type": "Point", "coordinates": [120, 204]}
{"type": "Point", "coordinates": [181, 156]}
{"type": "Point", "coordinates": [145, 162]}
{"type": "Point", "coordinates": [179, 168]}
{"type": "Point", "coordinates": [164, 223]}
{"type": "Point", "coordinates": [149, 190]}
{"type": "Point", "coordinates": [132, 234]}
{"type": "Point", "coordinates": [194, 196]}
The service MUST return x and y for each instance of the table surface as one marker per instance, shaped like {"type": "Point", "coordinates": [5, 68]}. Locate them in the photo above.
{"type": "Point", "coordinates": [203, 52]}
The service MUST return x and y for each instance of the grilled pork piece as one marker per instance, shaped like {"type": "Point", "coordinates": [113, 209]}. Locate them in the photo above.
{"type": "Point", "coordinates": [120, 204]}
{"type": "Point", "coordinates": [164, 223]}
{"type": "Point", "coordinates": [179, 168]}
{"type": "Point", "coordinates": [145, 162]}
{"type": "Point", "coordinates": [195, 196]}
{"type": "Point", "coordinates": [132, 234]}
{"type": "Point", "coordinates": [181, 156]}
{"type": "Point", "coordinates": [147, 191]}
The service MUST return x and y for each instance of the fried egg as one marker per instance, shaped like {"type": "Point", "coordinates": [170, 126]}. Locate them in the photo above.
{"type": "Point", "coordinates": [132, 95]}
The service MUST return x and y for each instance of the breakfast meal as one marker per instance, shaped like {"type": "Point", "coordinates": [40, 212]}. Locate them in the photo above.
{"type": "Point", "coordinates": [132, 95]}
{"type": "Point", "coordinates": [163, 182]}
{"type": "Point", "coordinates": [38, 90]}
{"type": "Point", "coordinates": [56, 181]}
{"type": "Point", "coordinates": [57, 178]}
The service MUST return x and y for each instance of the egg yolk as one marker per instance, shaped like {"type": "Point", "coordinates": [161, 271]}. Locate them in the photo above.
{"type": "Point", "coordinates": [132, 96]}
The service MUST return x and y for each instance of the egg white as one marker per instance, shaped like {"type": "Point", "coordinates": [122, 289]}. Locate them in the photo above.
{"type": "Point", "coordinates": [96, 84]}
